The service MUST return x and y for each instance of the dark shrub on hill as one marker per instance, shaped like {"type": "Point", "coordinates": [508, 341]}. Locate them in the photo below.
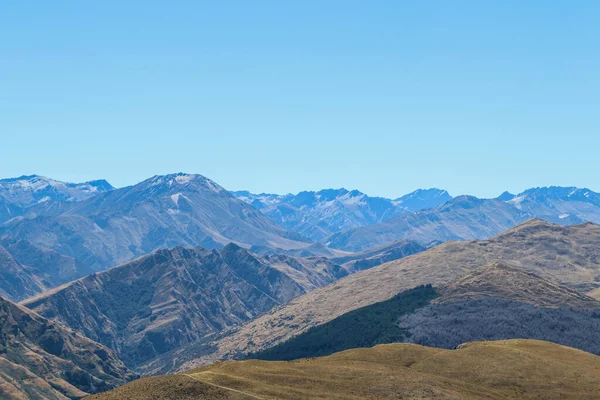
{"type": "Point", "coordinates": [364, 327]}
{"type": "Point", "coordinates": [450, 324]}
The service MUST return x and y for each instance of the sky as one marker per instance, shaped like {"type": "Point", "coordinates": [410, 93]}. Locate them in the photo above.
{"type": "Point", "coordinates": [475, 97]}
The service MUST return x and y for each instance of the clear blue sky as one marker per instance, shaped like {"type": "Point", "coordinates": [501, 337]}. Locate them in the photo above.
{"type": "Point", "coordinates": [385, 96]}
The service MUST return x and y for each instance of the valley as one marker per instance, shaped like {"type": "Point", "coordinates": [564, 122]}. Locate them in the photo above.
{"type": "Point", "coordinates": [176, 273]}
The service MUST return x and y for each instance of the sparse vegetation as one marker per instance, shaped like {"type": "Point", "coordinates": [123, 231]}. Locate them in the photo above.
{"type": "Point", "coordinates": [512, 369]}
{"type": "Point", "coordinates": [449, 324]}
{"type": "Point", "coordinates": [365, 327]}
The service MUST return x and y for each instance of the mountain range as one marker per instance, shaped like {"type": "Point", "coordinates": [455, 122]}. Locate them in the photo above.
{"type": "Point", "coordinates": [20, 195]}
{"type": "Point", "coordinates": [176, 272]}
{"type": "Point", "coordinates": [173, 297]}
{"type": "Point", "coordinates": [161, 212]}
{"type": "Point", "coordinates": [317, 215]}
{"type": "Point", "coordinates": [570, 254]}
{"type": "Point", "coordinates": [353, 221]}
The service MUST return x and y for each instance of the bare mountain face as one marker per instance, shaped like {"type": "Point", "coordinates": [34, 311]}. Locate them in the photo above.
{"type": "Point", "coordinates": [171, 298]}
{"type": "Point", "coordinates": [161, 212]}
{"type": "Point", "coordinates": [462, 218]}
{"type": "Point", "coordinates": [380, 255]}
{"type": "Point", "coordinates": [505, 281]}
{"type": "Point", "coordinates": [317, 215]}
{"type": "Point", "coordinates": [40, 359]}
{"type": "Point", "coordinates": [494, 302]}
{"type": "Point", "coordinates": [28, 269]}
{"type": "Point", "coordinates": [8, 210]}
{"type": "Point", "coordinates": [17, 195]}
{"type": "Point", "coordinates": [561, 205]}
{"type": "Point", "coordinates": [571, 254]}
{"type": "Point", "coordinates": [18, 281]}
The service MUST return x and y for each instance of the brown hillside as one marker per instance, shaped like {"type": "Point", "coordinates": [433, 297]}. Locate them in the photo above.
{"type": "Point", "coordinates": [512, 369]}
{"type": "Point", "coordinates": [498, 279]}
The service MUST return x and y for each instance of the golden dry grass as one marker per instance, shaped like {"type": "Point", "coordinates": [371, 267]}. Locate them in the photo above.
{"type": "Point", "coordinates": [169, 387]}
{"type": "Point", "coordinates": [510, 369]}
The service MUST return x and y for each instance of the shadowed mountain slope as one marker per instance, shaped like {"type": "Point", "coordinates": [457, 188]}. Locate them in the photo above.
{"type": "Point", "coordinates": [17, 280]}
{"type": "Point", "coordinates": [40, 359]}
{"type": "Point", "coordinates": [28, 270]}
{"type": "Point", "coordinates": [170, 298]}
{"type": "Point", "coordinates": [493, 302]}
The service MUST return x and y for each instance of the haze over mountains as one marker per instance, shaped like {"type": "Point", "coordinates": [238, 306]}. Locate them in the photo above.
{"type": "Point", "coordinates": [19, 195]}
{"type": "Point", "coordinates": [161, 212]}
{"type": "Point", "coordinates": [177, 272]}
{"type": "Point", "coordinates": [317, 215]}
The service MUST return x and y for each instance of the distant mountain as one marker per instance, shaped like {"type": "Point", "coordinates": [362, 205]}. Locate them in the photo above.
{"type": "Point", "coordinates": [353, 221]}
{"type": "Point", "coordinates": [18, 281]}
{"type": "Point", "coordinates": [319, 214]}
{"type": "Point", "coordinates": [506, 196]}
{"type": "Point", "coordinates": [40, 359]}
{"type": "Point", "coordinates": [462, 218]}
{"type": "Point", "coordinates": [170, 298]}
{"type": "Point", "coordinates": [380, 255]}
{"type": "Point", "coordinates": [29, 191]}
{"type": "Point", "coordinates": [569, 253]}
{"type": "Point", "coordinates": [9, 210]}
{"type": "Point", "coordinates": [163, 211]}
{"type": "Point", "coordinates": [493, 302]}
{"type": "Point", "coordinates": [490, 370]}
{"type": "Point", "coordinates": [561, 205]}
{"type": "Point", "coordinates": [422, 199]}
{"type": "Point", "coordinates": [27, 269]}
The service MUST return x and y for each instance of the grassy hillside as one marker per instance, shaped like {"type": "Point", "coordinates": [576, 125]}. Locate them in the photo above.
{"type": "Point", "coordinates": [512, 369]}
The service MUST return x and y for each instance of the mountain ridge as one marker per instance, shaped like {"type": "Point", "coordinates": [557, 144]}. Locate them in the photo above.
{"type": "Point", "coordinates": [41, 359]}
{"type": "Point", "coordinates": [569, 253]}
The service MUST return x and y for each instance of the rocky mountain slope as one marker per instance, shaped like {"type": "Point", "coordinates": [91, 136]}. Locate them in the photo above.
{"type": "Point", "coordinates": [571, 254]}
{"type": "Point", "coordinates": [18, 281]}
{"type": "Point", "coordinates": [317, 215]}
{"type": "Point", "coordinates": [161, 212]}
{"type": "Point", "coordinates": [501, 280]}
{"type": "Point", "coordinates": [498, 370]}
{"type": "Point", "coordinates": [28, 270]}
{"type": "Point", "coordinates": [493, 302]}
{"type": "Point", "coordinates": [171, 298]}
{"type": "Point", "coordinates": [462, 218]}
{"type": "Point", "coordinates": [380, 255]}
{"type": "Point", "coordinates": [40, 359]}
